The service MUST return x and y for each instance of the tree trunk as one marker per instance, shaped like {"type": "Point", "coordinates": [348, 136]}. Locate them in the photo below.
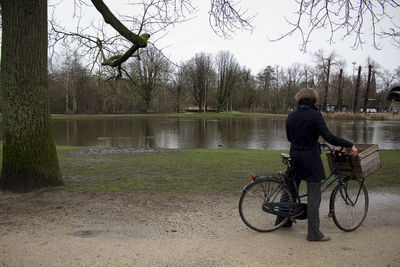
{"type": "Point", "coordinates": [178, 98]}
{"type": "Point", "coordinates": [205, 100]}
{"type": "Point", "coordinates": [326, 86]}
{"type": "Point", "coordinates": [358, 85]}
{"type": "Point", "coordinates": [74, 103]}
{"type": "Point", "coordinates": [200, 100]}
{"type": "Point", "coordinates": [29, 152]}
{"type": "Point", "coordinates": [66, 94]}
{"type": "Point", "coordinates": [339, 103]}
{"type": "Point", "coordinates": [367, 89]}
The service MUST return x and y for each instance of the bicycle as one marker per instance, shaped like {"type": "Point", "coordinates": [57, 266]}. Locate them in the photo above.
{"type": "Point", "coordinates": [268, 197]}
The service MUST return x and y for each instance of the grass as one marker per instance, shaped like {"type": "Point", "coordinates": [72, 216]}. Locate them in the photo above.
{"type": "Point", "coordinates": [171, 171]}
{"type": "Point", "coordinates": [388, 175]}
{"type": "Point", "coordinates": [188, 171]}
{"type": "Point", "coordinates": [203, 171]}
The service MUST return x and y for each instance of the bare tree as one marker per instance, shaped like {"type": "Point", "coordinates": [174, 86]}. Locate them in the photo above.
{"type": "Point", "coordinates": [227, 75]}
{"type": "Point", "coordinates": [308, 74]}
{"type": "Point", "coordinates": [347, 18]}
{"type": "Point", "coordinates": [246, 91]}
{"type": "Point", "coordinates": [179, 84]}
{"type": "Point", "coordinates": [149, 74]}
{"type": "Point", "coordinates": [397, 73]}
{"type": "Point", "coordinates": [291, 79]}
{"type": "Point", "coordinates": [265, 80]}
{"type": "Point", "coordinates": [388, 78]}
{"type": "Point", "coordinates": [70, 72]}
{"type": "Point", "coordinates": [325, 63]}
{"type": "Point", "coordinates": [200, 72]}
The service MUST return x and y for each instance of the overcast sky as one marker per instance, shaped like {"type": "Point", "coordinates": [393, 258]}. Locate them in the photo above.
{"type": "Point", "coordinates": [253, 50]}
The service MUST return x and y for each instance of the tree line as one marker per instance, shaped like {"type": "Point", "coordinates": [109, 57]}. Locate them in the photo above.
{"type": "Point", "coordinates": [151, 83]}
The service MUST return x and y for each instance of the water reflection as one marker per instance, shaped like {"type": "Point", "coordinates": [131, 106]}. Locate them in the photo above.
{"type": "Point", "coordinates": [384, 133]}
{"type": "Point", "coordinates": [184, 133]}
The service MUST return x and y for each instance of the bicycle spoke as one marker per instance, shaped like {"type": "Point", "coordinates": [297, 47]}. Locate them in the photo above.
{"type": "Point", "coordinates": [350, 205]}
{"type": "Point", "coordinates": [252, 200]}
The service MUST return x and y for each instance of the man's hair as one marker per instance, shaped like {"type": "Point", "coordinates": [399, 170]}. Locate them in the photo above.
{"type": "Point", "coordinates": [307, 94]}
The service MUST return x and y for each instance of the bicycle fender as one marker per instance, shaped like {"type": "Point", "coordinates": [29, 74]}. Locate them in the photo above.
{"type": "Point", "coordinates": [331, 201]}
{"type": "Point", "coordinates": [262, 177]}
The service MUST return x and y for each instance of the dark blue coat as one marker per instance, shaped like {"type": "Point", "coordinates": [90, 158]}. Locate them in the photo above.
{"type": "Point", "coordinates": [303, 128]}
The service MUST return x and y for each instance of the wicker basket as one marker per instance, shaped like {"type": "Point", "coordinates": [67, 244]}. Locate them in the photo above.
{"type": "Point", "coordinates": [366, 162]}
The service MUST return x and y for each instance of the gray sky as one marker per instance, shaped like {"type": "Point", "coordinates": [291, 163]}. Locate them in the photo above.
{"type": "Point", "coordinates": [253, 50]}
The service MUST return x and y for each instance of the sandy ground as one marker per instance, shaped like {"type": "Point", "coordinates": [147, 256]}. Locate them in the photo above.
{"type": "Point", "coordinates": [59, 228]}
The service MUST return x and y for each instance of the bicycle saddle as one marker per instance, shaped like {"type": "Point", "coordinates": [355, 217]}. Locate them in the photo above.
{"type": "Point", "coordinates": [286, 158]}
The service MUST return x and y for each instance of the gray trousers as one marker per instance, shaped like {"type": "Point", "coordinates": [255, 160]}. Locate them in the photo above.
{"type": "Point", "coordinates": [313, 203]}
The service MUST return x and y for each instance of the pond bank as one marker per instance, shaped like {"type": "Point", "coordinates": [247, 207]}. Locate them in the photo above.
{"type": "Point", "coordinates": [362, 116]}
{"type": "Point", "coordinates": [332, 115]}
{"type": "Point", "coordinates": [167, 115]}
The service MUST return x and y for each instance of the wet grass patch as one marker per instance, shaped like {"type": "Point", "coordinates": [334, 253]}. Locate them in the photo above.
{"type": "Point", "coordinates": [188, 171]}
{"type": "Point", "coordinates": [174, 171]}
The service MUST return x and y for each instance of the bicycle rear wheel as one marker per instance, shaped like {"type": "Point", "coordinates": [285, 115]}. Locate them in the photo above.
{"type": "Point", "coordinates": [349, 203]}
{"type": "Point", "coordinates": [253, 197]}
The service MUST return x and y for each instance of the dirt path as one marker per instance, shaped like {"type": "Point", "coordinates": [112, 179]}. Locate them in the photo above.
{"type": "Point", "coordinates": [58, 228]}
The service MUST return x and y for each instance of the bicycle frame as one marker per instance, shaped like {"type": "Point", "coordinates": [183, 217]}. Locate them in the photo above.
{"type": "Point", "coordinates": [334, 177]}
{"type": "Point", "coordinates": [327, 182]}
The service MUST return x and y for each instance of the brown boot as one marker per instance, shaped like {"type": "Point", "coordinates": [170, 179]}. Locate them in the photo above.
{"type": "Point", "coordinates": [322, 239]}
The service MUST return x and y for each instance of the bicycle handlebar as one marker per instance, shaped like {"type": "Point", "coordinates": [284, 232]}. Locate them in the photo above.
{"type": "Point", "coordinates": [333, 149]}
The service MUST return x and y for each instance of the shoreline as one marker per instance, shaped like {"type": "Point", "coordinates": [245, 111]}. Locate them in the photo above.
{"type": "Point", "coordinates": [232, 114]}
{"type": "Point", "coordinates": [333, 115]}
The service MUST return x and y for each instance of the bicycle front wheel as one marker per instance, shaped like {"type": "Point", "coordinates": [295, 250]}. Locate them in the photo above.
{"type": "Point", "coordinates": [254, 196]}
{"type": "Point", "coordinates": [349, 203]}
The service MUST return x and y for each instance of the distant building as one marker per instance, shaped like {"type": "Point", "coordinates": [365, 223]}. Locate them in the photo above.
{"type": "Point", "coordinates": [394, 96]}
{"type": "Point", "coordinates": [373, 106]}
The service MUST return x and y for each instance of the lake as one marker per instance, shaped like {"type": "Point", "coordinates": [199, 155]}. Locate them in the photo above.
{"type": "Point", "coordinates": [189, 133]}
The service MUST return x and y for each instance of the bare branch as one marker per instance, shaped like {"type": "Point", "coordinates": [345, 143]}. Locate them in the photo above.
{"type": "Point", "coordinates": [117, 24]}
{"type": "Point", "coordinates": [346, 18]}
{"type": "Point", "coordinates": [225, 18]}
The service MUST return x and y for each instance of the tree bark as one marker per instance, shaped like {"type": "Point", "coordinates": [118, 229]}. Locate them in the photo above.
{"type": "Point", "coordinates": [358, 85]}
{"type": "Point", "coordinates": [66, 94]}
{"type": "Point", "coordinates": [339, 103]}
{"type": "Point", "coordinates": [324, 105]}
{"type": "Point", "coordinates": [29, 152]}
{"type": "Point", "coordinates": [367, 89]}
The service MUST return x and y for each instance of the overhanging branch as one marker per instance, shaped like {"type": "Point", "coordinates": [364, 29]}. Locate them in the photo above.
{"type": "Point", "coordinates": [137, 41]}
{"type": "Point", "coordinates": [109, 18]}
